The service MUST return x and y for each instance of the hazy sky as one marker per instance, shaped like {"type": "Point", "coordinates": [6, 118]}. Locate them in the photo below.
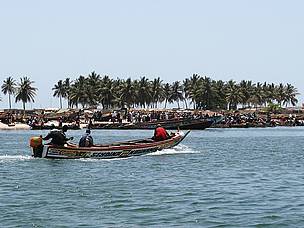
{"type": "Point", "coordinates": [259, 40]}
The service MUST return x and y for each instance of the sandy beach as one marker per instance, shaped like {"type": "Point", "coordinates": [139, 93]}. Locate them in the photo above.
{"type": "Point", "coordinates": [17, 126]}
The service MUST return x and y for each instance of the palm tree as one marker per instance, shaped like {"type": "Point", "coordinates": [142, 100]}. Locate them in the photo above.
{"type": "Point", "coordinates": [59, 91]}
{"type": "Point", "coordinates": [157, 91]}
{"type": "Point", "coordinates": [143, 92]}
{"type": "Point", "coordinates": [270, 93]}
{"type": "Point", "coordinates": [234, 95]}
{"type": "Point", "coordinates": [167, 94]}
{"type": "Point", "coordinates": [78, 92]}
{"type": "Point", "coordinates": [290, 95]}
{"type": "Point", "coordinates": [117, 101]}
{"type": "Point", "coordinates": [93, 82]}
{"type": "Point", "coordinates": [128, 92]}
{"type": "Point", "coordinates": [246, 88]}
{"type": "Point", "coordinates": [219, 89]}
{"type": "Point", "coordinates": [196, 94]}
{"type": "Point", "coordinates": [187, 90]}
{"type": "Point", "coordinates": [106, 92]}
{"type": "Point", "coordinates": [257, 95]}
{"type": "Point", "coordinates": [8, 87]}
{"type": "Point", "coordinates": [280, 94]}
{"type": "Point", "coordinates": [25, 91]}
{"type": "Point", "coordinates": [177, 92]}
{"type": "Point", "coordinates": [195, 83]}
{"type": "Point", "coordinates": [208, 93]}
{"type": "Point", "coordinates": [67, 91]}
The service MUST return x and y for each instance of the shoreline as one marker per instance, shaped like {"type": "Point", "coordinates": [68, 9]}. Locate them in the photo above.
{"type": "Point", "coordinates": [82, 118]}
{"type": "Point", "coordinates": [16, 126]}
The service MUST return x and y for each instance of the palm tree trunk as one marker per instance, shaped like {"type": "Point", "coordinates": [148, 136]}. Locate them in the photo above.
{"type": "Point", "coordinates": [178, 104]}
{"type": "Point", "coordinates": [69, 102]}
{"type": "Point", "coordinates": [166, 103]}
{"type": "Point", "coordinates": [60, 102]}
{"type": "Point", "coordinates": [9, 100]}
{"type": "Point", "coordinates": [23, 108]}
{"type": "Point", "coordinates": [186, 104]}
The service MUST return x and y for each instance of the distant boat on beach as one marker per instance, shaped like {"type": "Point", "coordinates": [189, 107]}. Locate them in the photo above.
{"type": "Point", "coordinates": [185, 124]}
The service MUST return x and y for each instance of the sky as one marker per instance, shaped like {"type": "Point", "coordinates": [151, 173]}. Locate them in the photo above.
{"type": "Point", "coordinates": [237, 39]}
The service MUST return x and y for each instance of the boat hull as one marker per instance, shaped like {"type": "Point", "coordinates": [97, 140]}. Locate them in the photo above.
{"type": "Point", "coordinates": [183, 124]}
{"type": "Point", "coordinates": [116, 150]}
{"type": "Point", "coordinates": [48, 127]}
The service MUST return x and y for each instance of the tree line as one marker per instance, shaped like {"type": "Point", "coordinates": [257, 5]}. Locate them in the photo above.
{"type": "Point", "coordinates": [198, 92]}
{"type": "Point", "coordinates": [23, 90]}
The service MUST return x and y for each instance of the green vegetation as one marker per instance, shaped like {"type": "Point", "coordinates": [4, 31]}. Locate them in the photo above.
{"type": "Point", "coordinates": [60, 91]}
{"type": "Point", "coordinates": [273, 108]}
{"type": "Point", "coordinates": [25, 92]}
{"type": "Point", "coordinates": [195, 92]}
{"type": "Point", "coordinates": [9, 87]}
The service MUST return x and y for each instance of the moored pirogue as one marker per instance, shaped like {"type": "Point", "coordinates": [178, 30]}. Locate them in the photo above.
{"type": "Point", "coordinates": [104, 151]}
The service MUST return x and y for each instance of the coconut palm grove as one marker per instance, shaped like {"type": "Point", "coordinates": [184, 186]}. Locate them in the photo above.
{"type": "Point", "coordinates": [197, 92]}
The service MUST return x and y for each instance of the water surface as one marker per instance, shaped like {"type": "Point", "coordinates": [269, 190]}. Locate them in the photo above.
{"type": "Point", "coordinates": [215, 178]}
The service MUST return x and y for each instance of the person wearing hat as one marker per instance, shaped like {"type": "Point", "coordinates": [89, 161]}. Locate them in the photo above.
{"type": "Point", "coordinates": [86, 140]}
{"type": "Point", "coordinates": [160, 133]}
{"type": "Point", "coordinates": [58, 136]}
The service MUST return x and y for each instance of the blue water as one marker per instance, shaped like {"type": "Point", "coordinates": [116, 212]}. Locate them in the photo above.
{"type": "Point", "coordinates": [215, 178]}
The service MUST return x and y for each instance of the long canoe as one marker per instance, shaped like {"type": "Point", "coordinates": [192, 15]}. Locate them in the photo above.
{"type": "Point", "coordinates": [183, 124]}
{"type": "Point", "coordinates": [106, 151]}
{"type": "Point", "coordinates": [49, 127]}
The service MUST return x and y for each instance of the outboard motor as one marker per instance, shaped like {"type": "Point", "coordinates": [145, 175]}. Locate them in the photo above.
{"type": "Point", "coordinates": [37, 146]}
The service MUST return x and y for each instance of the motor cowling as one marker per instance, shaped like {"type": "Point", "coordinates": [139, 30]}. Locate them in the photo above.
{"type": "Point", "coordinates": [37, 146]}
{"type": "Point", "coordinates": [35, 142]}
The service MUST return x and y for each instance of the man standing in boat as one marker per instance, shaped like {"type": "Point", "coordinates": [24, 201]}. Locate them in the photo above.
{"type": "Point", "coordinates": [58, 137]}
{"type": "Point", "coordinates": [160, 133]}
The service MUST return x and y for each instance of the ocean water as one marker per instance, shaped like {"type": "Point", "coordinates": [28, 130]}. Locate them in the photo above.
{"type": "Point", "coordinates": [214, 178]}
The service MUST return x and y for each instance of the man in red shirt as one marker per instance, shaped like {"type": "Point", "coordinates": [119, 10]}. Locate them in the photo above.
{"type": "Point", "coordinates": [160, 133]}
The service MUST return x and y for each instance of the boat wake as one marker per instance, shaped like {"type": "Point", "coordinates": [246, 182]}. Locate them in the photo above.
{"type": "Point", "coordinates": [9, 158]}
{"type": "Point", "coordinates": [98, 160]}
{"type": "Point", "coordinates": [180, 149]}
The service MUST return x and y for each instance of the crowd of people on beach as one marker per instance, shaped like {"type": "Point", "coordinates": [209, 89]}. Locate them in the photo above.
{"type": "Point", "coordinates": [252, 119]}
{"type": "Point", "coordinates": [89, 118]}
{"type": "Point", "coordinates": [136, 116]}
{"type": "Point", "coordinates": [244, 119]}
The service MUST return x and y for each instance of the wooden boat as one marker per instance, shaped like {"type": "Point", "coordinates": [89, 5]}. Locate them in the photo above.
{"type": "Point", "coordinates": [189, 124]}
{"type": "Point", "coordinates": [49, 127]}
{"type": "Point", "coordinates": [183, 124]}
{"type": "Point", "coordinates": [113, 150]}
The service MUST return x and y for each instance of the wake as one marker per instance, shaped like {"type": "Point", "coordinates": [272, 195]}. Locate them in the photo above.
{"type": "Point", "coordinates": [179, 149]}
{"type": "Point", "coordinates": [9, 158]}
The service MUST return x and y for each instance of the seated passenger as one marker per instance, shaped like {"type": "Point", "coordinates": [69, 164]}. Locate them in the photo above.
{"type": "Point", "coordinates": [86, 140]}
{"type": "Point", "coordinates": [160, 133]}
{"type": "Point", "coordinates": [58, 137]}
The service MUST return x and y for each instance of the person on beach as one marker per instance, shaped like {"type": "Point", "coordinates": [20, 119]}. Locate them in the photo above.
{"type": "Point", "coordinates": [86, 140]}
{"type": "Point", "coordinates": [58, 136]}
{"type": "Point", "coordinates": [160, 133]}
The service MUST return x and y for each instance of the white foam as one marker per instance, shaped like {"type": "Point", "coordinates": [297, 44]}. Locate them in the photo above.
{"type": "Point", "coordinates": [100, 159]}
{"type": "Point", "coordinates": [180, 149]}
{"type": "Point", "coordinates": [4, 158]}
